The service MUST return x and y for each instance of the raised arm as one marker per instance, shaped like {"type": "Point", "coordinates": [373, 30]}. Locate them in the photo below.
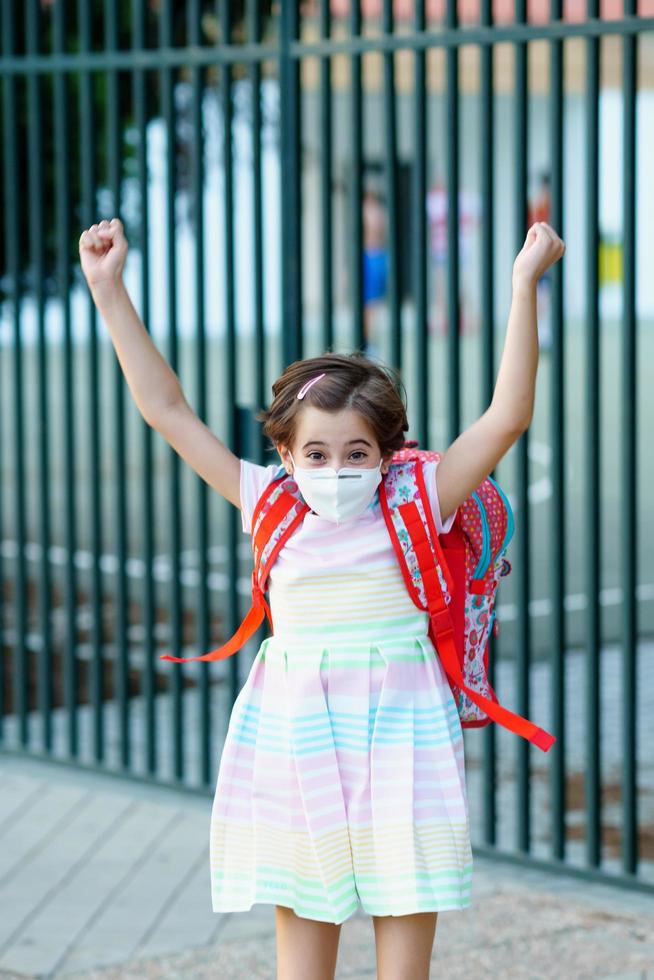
{"type": "Point", "coordinates": [476, 452]}
{"type": "Point", "coordinates": [155, 387]}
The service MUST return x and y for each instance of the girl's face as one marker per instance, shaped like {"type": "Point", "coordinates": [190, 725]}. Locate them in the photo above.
{"type": "Point", "coordinates": [334, 439]}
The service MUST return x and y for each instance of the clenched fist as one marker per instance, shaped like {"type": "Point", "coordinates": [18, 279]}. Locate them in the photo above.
{"type": "Point", "coordinates": [102, 249]}
{"type": "Point", "coordinates": [542, 248]}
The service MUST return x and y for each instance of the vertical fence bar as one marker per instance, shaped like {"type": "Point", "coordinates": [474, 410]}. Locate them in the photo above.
{"type": "Point", "coordinates": [254, 32]}
{"type": "Point", "coordinates": [88, 209]}
{"type": "Point", "coordinates": [390, 139]}
{"type": "Point", "coordinates": [523, 631]}
{"type": "Point", "coordinates": [230, 338]}
{"type": "Point", "coordinates": [4, 387]}
{"type": "Point", "coordinates": [12, 248]}
{"type": "Point", "coordinates": [452, 164]}
{"type": "Point", "coordinates": [487, 379]}
{"type": "Point", "coordinates": [202, 501]}
{"type": "Point", "coordinates": [120, 531]}
{"type": "Point", "coordinates": [629, 459]}
{"type": "Point", "coordinates": [35, 124]}
{"type": "Point", "coordinates": [4, 523]}
{"type": "Point", "coordinates": [558, 443]}
{"type": "Point", "coordinates": [291, 184]}
{"type": "Point", "coordinates": [419, 251]}
{"type": "Point", "coordinates": [62, 170]}
{"type": "Point", "coordinates": [326, 184]}
{"type": "Point", "coordinates": [140, 100]}
{"type": "Point", "coordinates": [355, 183]}
{"type": "Point", "coordinates": [254, 26]}
{"type": "Point", "coordinates": [592, 467]}
{"type": "Point", "coordinates": [169, 116]}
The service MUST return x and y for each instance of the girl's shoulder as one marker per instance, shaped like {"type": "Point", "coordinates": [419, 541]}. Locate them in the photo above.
{"type": "Point", "coordinates": [254, 480]}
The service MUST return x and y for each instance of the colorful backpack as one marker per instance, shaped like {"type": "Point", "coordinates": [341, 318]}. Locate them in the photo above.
{"type": "Point", "coordinates": [454, 578]}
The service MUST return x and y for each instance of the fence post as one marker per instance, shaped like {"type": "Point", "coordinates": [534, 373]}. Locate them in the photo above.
{"type": "Point", "coordinates": [290, 193]}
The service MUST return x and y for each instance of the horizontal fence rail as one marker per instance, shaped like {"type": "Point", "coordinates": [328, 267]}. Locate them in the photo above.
{"type": "Point", "coordinates": [243, 151]}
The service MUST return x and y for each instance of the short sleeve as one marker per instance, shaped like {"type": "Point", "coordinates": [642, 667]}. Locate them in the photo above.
{"type": "Point", "coordinates": [254, 480]}
{"type": "Point", "coordinates": [430, 468]}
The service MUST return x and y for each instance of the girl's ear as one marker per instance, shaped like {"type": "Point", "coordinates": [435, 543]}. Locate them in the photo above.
{"type": "Point", "coordinates": [285, 458]}
{"type": "Point", "coordinates": [386, 462]}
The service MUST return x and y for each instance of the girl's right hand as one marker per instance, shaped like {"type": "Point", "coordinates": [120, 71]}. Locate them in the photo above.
{"type": "Point", "coordinates": [103, 249]}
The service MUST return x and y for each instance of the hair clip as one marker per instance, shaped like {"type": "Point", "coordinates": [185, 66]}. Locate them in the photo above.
{"type": "Point", "coordinates": [303, 390]}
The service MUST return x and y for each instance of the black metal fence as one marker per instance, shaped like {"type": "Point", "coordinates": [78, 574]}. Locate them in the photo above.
{"type": "Point", "coordinates": [241, 145]}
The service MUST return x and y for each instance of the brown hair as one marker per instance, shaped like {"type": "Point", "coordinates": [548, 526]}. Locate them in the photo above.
{"type": "Point", "coordinates": [351, 381]}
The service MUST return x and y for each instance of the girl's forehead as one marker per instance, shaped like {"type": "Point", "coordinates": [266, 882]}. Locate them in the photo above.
{"type": "Point", "coordinates": [336, 427]}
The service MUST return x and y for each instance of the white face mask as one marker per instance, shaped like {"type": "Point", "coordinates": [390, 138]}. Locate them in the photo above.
{"type": "Point", "coordinates": [337, 495]}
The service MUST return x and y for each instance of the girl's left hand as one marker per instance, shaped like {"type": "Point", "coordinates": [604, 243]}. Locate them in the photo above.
{"type": "Point", "coordinates": [542, 248]}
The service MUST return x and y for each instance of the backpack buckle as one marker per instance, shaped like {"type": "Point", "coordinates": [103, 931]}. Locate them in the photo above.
{"type": "Point", "coordinates": [257, 591]}
{"type": "Point", "coordinates": [441, 621]}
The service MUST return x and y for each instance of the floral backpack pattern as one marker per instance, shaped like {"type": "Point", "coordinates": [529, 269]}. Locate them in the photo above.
{"type": "Point", "coordinates": [453, 577]}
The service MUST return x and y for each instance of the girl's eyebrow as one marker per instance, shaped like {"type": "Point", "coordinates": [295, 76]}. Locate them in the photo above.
{"type": "Point", "coordinates": [316, 442]}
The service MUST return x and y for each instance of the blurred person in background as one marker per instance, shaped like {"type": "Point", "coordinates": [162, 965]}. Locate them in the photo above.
{"type": "Point", "coordinates": [469, 208]}
{"type": "Point", "coordinates": [375, 263]}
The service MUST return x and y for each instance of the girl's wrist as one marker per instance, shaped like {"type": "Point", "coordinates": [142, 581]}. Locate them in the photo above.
{"type": "Point", "coordinates": [523, 286]}
{"type": "Point", "coordinates": [106, 292]}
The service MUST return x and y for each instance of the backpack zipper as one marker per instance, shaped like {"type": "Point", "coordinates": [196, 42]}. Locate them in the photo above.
{"type": "Point", "coordinates": [510, 524]}
{"type": "Point", "coordinates": [484, 561]}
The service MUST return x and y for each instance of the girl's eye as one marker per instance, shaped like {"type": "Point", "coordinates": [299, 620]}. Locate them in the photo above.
{"type": "Point", "coordinates": [360, 453]}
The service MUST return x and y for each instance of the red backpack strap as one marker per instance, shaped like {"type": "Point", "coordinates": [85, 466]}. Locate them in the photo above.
{"type": "Point", "coordinates": [278, 512]}
{"type": "Point", "coordinates": [402, 495]}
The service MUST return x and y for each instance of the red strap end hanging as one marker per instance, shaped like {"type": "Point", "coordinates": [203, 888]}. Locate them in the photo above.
{"type": "Point", "coordinates": [508, 719]}
{"type": "Point", "coordinates": [248, 627]}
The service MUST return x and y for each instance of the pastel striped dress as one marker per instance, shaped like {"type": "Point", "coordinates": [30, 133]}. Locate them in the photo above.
{"type": "Point", "coordinates": [342, 779]}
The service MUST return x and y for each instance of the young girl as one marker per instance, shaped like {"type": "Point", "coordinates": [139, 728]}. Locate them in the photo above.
{"type": "Point", "coordinates": [342, 777]}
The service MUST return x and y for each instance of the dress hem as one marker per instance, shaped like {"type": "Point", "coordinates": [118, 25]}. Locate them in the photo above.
{"type": "Point", "coordinates": [450, 907]}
